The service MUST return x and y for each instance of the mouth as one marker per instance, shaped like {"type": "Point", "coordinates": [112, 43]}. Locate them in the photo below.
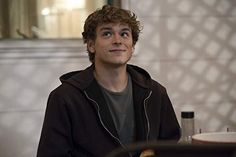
{"type": "Point", "coordinates": [116, 50]}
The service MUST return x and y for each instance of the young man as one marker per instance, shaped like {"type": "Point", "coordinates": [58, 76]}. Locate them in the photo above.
{"type": "Point", "coordinates": [111, 103]}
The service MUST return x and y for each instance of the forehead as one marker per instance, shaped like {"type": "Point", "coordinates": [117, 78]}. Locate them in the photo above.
{"type": "Point", "coordinates": [113, 26]}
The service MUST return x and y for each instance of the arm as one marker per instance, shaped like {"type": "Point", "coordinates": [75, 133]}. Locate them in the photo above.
{"type": "Point", "coordinates": [56, 140]}
{"type": "Point", "coordinates": [170, 128]}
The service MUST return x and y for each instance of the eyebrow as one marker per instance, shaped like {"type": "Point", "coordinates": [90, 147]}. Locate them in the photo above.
{"type": "Point", "coordinates": [126, 29]}
{"type": "Point", "coordinates": [109, 28]}
{"type": "Point", "coordinates": [105, 28]}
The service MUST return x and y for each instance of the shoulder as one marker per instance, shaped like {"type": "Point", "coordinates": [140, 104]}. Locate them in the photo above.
{"type": "Point", "coordinates": [158, 89]}
{"type": "Point", "coordinates": [64, 93]}
{"type": "Point", "coordinates": [143, 78]}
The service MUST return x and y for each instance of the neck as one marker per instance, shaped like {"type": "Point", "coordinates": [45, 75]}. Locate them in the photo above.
{"type": "Point", "coordinates": [113, 79]}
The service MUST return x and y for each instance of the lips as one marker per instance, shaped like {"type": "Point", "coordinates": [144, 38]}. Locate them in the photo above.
{"type": "Point", "coordinates": [116, 50]}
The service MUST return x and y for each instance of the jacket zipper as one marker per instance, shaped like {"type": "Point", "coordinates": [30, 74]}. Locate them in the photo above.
{"type": "Point", "coordinates": [100, 119]}
{"type": "Point", "coordinates": [146, 115]}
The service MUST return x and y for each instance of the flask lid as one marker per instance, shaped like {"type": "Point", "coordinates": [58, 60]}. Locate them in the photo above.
{"type": "Point", "coordinates": [187, 114]}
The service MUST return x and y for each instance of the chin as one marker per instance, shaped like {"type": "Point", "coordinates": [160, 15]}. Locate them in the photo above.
{"type": "Point", "coordinates": [118, 64]}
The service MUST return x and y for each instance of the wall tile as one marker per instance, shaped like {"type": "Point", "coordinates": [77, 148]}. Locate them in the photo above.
{"type": "Point", "coordinates": [184, 8]}
{"type": "Point", "coordinates": [184, 38]}
{"type": "Point", "coordinates": [26, 85]}
{"type": "Point", "coordinates": [19, 133]}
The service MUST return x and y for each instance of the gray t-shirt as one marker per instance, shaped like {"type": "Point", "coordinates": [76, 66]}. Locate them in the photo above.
{"type": "Point", "coordinates": [120, 105]}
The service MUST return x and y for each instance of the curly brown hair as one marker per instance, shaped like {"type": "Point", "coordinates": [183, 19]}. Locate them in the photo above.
{"type": "Point", "coordinates": [109, 14]}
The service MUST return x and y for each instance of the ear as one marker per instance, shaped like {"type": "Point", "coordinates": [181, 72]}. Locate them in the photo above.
{"type": "Point", "coordinates": [133, 48]}
{"type": "Point", "coordinates": [91, 46]}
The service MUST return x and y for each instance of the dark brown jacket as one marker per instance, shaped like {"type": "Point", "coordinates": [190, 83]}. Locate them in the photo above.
{"type": "Point", "coordinates": [78, 122]}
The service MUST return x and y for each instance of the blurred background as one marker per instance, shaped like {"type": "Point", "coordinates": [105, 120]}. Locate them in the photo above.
{"type": "Point", "coordinates": [189, 46]}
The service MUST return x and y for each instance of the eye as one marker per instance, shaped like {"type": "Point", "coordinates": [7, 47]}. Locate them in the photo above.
{"type": "Point", "coordinates": [125, 34]}
{"type": "Point", "coordinates": [106, 34]}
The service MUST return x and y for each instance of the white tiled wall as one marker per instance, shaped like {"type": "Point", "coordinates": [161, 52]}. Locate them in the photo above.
{"type": "Point", "coordinates": [187, 45]}
{"type": "Point", "coordinates": [190, 47]}
{"type": "Point", "coordinates": [29, 70]}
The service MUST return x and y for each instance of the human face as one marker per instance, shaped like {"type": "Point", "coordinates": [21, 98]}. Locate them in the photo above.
{"type": "Point", "coordinates": [113, 45]}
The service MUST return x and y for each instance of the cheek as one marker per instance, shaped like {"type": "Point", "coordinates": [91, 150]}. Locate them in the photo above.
{"type": "Point", "coordinates": [101, 49]}
{"type": "Point", "coordinates": [131, 46]}
{"type": "Point", "coordinates": [130, 43]}
{"type": "Point", "coordinates": [102, 45]}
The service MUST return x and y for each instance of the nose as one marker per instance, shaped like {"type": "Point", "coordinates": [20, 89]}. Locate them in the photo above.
{"type": "Point", "coordinates": [117, 38]}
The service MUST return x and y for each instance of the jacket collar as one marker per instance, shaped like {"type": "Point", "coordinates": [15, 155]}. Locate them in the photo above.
{"type": "Point", "coordinates": [82, 79]}
{"type": "Point", "coordinates": [139, 76]}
